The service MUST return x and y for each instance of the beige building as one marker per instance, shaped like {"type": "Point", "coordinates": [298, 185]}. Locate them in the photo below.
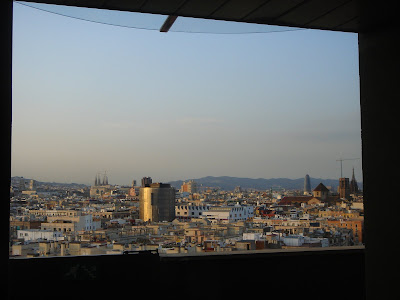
{"type": "Point", "coordinates": [338, 214]}
{"type": "Point", "coordinates": [71, 223]}
{"type": "Point", "coordinates": [321, 191]}
{"type": "Point", "coordinates": [111, 214]}
{"type": "Point", "coordinates": [100, 191]}
{"type": "Point", "coordinates": [59, 225]}
{"type": "Point", "coordinates": [101, 188]}
{"type": "Point", "coordinates": [53, 212]}
{"type": "Point", "coordinates": [189, 187]}
{"type": "Point", "coordinates": [29, 235]}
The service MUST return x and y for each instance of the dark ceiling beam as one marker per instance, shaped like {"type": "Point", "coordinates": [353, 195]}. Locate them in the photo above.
{"type": "Point", "coordinates": [182, 5]}
{"type": "Point", "coordinates": [345, 22]}
{"type": "Point", "coordinates": [143, 4]}
{"type": "Point", "coordinates": [218, 8]}
{"type": "Point", "coordinates": [254, 10]}
{"type": "Point", "coordinates": [168, 23]}
{"type": "Point", "coordinates": [290, 10]}
{"type": "Point", "coordinates": [328, 12]}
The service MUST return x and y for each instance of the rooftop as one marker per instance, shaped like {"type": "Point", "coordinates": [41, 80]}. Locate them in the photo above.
{"type": "Point", "coordinates": [321, 188]}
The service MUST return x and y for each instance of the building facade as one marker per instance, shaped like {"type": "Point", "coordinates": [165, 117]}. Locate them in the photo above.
{"type": "Point", "coordinates": [157, 203]}
{"type": "Point", "coordinates": [188, 211]}
{"type": "Point", "coordinates": [321, 191]}
{"type": "Point", "coordinates": [228, 214]}
{"type": "Point", "coordinates": [54, 213]}
{"type": "Point", "coordinates": [189, 187]}
{"type": "Point", "coordinates": [146, 181]}
{"type": "Point", "coordinates": [32, 235]}
{"type": "Point", "coordinates": [344, 188]}
{"type": "Point", "coordinates": [71, 223]}
{"type": "Point", "coordinates": [101, 188]}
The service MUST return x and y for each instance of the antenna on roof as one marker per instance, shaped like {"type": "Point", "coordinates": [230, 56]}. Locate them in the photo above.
{"type": "Point", "coordinates": [341, 160]}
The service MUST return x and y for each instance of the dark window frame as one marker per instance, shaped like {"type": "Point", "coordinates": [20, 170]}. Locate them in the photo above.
{"type": "Point", "coordinates": [378, 83]}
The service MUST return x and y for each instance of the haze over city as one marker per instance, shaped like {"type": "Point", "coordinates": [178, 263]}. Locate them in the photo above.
{"type": "Point", "coordinates": [89, 97]}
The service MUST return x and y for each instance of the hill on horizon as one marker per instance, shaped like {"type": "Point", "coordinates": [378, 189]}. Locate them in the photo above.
{"type": "Point", "coordinates": [229, 183]}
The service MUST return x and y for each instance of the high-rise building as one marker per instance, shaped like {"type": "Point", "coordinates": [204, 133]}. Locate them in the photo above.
{"type": "Point", "coordinates": [344, 188]}
{"type": "Point", "coordinates": [190, 187]}
{"type": "Point", "coordinates": [146, 181]}
{"type": "Point", "coordinates": [132, 190]}
{"type": "Point", "coordinates": [307, 185]}
{"type": "Point", "coordinates": [157, 202]}
{"type": "Point", "coordinates": [32, 185]}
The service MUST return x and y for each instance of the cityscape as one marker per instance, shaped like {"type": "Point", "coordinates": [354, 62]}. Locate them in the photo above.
{"type": "Point", "coordinates": [193, 106]}
{"type": "Point", "coordinates": [169, 145]}
{"type": "Point", "coordinates": [50, 219]}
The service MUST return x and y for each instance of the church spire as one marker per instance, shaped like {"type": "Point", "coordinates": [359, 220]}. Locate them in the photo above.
{"type": "Point", "coordinates": [105, 178]}
{"type": "Point", "coordinates": [353, 184]}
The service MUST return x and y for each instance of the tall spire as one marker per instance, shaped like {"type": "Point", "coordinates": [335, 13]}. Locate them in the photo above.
{"type": "Point", "coordinates": [353, 184]}
{"type": "Point", "coordinates": [96, 183]}
{"type": "Point", "coordinates": [105, 178]}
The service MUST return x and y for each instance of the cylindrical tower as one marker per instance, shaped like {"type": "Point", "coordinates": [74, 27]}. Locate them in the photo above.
{"type": "Point", "coordinates": [307, 184]}
{"type": "Point", "coordinates": [157, 203]}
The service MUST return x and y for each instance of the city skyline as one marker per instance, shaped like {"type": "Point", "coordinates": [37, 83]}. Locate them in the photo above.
{"type": "Point", "coordinates": [223, 183]}
{"type": "Point", "coordinates": [90, 97]}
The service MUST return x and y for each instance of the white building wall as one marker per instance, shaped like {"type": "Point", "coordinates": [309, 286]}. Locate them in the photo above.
{"type": "Point", "coordinates": [254, 236]}
{"type": "Point", "coordinates": [96, 225]}
{"type": "Point", "coordinates": [228, 214]}
{"type": "Point", "coordinates": [250, 211]}
{"type": "Point", "coordinates": [30, 235]}
{"type": "Point", "coordinates": [216, 216]}
{"type": "Point", "coordinates": [190, 211]}
{"type": "Point", "coordinates": [82, 223]}
{"type": "Point", "coordinates": [293, 241]}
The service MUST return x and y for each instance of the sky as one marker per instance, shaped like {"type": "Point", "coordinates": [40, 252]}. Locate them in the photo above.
{"type": "Point", "coordinates": [91, 98]}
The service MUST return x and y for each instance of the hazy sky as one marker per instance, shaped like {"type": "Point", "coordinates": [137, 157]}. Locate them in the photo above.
{"type": "Point", "coordinates": [89, 97]}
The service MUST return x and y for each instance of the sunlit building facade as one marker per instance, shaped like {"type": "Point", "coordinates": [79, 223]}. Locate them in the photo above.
{"type": "Point", "coordinates": [157, 203]}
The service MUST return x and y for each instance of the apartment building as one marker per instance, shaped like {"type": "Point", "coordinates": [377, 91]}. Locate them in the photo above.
{"type": "Point", "coordinates": [356, 225]}
{"type": "Point", "coordinates": [31, 235]}
{"type": "Point", "coordinates": [188, 211]}
{"type": "Point", "coordinates": [338, 214]}
{"type": "Point", "coordinates": [71, 223]}
{"type": "Point", "coordinates": [228, 214]}
{"type": "Point", "coordinates": [54, 213]}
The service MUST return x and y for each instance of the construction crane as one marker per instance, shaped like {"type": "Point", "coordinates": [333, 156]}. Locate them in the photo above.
{"type": "Point", "coordinates": [341, 160]}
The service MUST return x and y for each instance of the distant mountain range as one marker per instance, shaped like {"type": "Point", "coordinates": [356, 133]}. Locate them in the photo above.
{"type": "Point", "coordinates": [16, 179]}
{"type": "Point", "coordinates": [225, 183]}
{"type": "Point", "coordinates": [229, 183]}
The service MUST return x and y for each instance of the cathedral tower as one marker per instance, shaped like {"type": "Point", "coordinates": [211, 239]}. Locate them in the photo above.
{"type": "Point", "coordinates": [353, 185]}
